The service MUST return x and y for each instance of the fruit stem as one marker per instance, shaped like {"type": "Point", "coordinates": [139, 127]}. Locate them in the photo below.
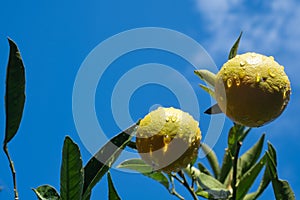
{"type": "Point", "coordinates": [235, 163]}
{"type": "Point", "coordinates": [184, 182]}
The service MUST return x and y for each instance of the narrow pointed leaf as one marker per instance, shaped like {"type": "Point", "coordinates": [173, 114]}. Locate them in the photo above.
{"type": "Point", "coordinates": [281, 188]}
{"type": "Point", "coordinates": [145, 169]}
{"type": "Point", "coordinates": [71, 174]}
{"type": "Point", "coordinates": [203, 169]}
{"type": "Point", "coordinates": [206, 76]}
{"type": "Point", "coordinates": [262, 186]}
{"type": "Point", "coordinates": [249, 177]}
{"type": "Point", "coordinates": [248, 159]}
{"type": "Point", "coordinates": [233, 136]}
{"type": "Point", "coordinates": [208, 90]}
{"type": "Point", "coordinates": [215, 109]}
{"type": "Point", "coordinates": [100, 163]}
{"type": "Point", "coordinates": [235, 47]}
{"type": "Point", "coordinates": [112, 192]}
{"type": "Point", "coordinates": [15, 92]}
{"type": "Point", "coordinates": [46, 192]}
{"type": "Point", "coordinates": [212, 159]}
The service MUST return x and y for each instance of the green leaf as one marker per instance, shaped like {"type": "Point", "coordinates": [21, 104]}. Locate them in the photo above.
{"type": "Point", "coordinates": [46, 192]}
{"type": "Point", "coordinates": [212, 159]}
{"type": "Point", "coordinates": [262, 186]}
{"type": "Point", "coordinates": [206, 76]}
{"type": "Point", "coordinates": [281, 188]}
{"type": "Point", "coordinates": [203, 169]}
{"type": "Point", "coordinates": [112, 192]}
{"type": "Point", "coordinates": [15, 92]}
{"type": "Point", "coordinates": [234, 48]}
{"type": "Point", "coordinates": [208, 90]}
{"type": "Point", "coordinates": [234, 135]}
{"type": "Point", "coordinates": [249, 177]}
{"type": "Point", "coordinates": [215, 109]}
{"type": "Point", "coordinates": [210, 187]}
{"type": "Point", "coordinates": [145, 169]}
{"type": "Point", "coordinates": [248, 159]}
{"type": "Point", "coordinates": [71, 173]}
{"type": "Point", "coordinates": [100, 163]}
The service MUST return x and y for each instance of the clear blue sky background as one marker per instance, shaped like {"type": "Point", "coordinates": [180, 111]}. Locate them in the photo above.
{"type": "Point", "coordinates": [55, 37]}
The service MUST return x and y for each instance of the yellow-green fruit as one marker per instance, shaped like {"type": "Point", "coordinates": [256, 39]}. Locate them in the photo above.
{"type": "Point", "coordinates": [252, 89]}
{"type": "Point", "coordinates": [168, 139]}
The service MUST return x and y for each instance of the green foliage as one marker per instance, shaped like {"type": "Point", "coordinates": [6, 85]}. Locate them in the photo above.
{"type": "Point", "coordinates": [71, 172]}
{"type": "Point", "coordinates": [100, 163]}
{"type": "Point", "coordinates": [46, 192]}
{"type": "Point", "coordinates": [112, 192]}
{"type": "Point", "coordinates": [231, 179]}
{"type": "Point", "coordinates": [145, 169]}
{"type": "Point", "coordinates": [15, 92]}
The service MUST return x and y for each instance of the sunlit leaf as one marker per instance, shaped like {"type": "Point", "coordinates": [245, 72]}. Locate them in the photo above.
{"type": "Point", "coordinates": [206, 76]}
{"type": "Point", "coordinates": [234, 48]}
{"type": "Point", "coordinates": [15, 92]}
{"type": "Point", "coordinates": [208, 90]}
{"type": "Point", "coordinates": [248, 159]}
{"type": "Point", "coordinates": [210, 187]}
{"type": "Point", "coordinates": [215, 109]}
{"type": "Point", "coordinates": [112, 192]}
{"type": "Point", "coordinates": [212, 159]}
{"type": "Point", "coordinates": [100, 163]}
{"type": "Point", "coordinates": [71, 174]}
{"type": "Point", "coordinates": [145, 169]}
{"type": "Point", "coordinates": [249, 177]}
{"type": "Point", "coordinates": [46, 192]}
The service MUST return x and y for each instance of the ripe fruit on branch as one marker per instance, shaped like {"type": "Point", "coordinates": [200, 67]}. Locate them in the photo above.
{"type": "Point", "coordinates": [252, 89]}
{"type": "Point", "coordinates": [168, 139]}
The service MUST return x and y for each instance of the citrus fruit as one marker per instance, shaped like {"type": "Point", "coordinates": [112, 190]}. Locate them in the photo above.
{"type": "Point", "coordinates": [168, 139]}
{"type": "Point", "coordinates": [252, 89]}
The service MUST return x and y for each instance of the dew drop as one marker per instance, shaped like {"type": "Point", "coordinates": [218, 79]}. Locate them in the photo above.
{"type": "Point", "coordinates": [238, 82]}
{"type": "Point", "coordinates": [258, 78]}
{"type": "Point", "coordinates": [167, 119]}
{"type": "Point", "coordinates": [242, 74]}
{"type": "Point", "coordinates": [174, 119]}
{"type": "Point", "coordinates": [229, 82]}
{"type": "Point", "coordinates": [271, 73]}
{"type": "Point", "coordinates": [242, 63]}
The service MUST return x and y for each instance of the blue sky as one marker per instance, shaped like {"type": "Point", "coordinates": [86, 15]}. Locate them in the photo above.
{"type": "Point", "coordinates": [55, 38]}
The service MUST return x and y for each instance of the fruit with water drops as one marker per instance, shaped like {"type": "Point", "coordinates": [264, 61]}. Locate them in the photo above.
{"type": "Point", "coordinates": [168, 139]}
{"type": "Point", "coordinates": [252, 89]}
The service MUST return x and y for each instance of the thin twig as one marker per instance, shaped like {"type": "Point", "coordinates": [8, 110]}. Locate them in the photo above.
{"type": "Point", "coordinates": [13, 171]}
{"type": "Point", "coordinates": [173, 191]}
{"type": "Point", "coordinates": [186, 185]}
{"type": "Point", "coordinates": [234, 173]}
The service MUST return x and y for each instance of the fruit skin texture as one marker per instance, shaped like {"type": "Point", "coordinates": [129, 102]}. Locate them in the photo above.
{"type": "Point", "coordinates": [168, 139]}
{"type": "Point", "coordinates": [252, 89]}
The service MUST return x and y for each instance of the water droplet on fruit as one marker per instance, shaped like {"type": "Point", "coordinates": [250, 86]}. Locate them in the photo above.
{"type": "Point", "coordinates": [167, 119]}
{"type": "Point", "coordinates": [271, 57]}
{"type": "Point", "coordinates": [258, 77]}
{"type": "Point", "coordinates": [242, 63]}
{"type": "Point", "coordinates": [174, 119]}
{"type": "Point", "coordinates": [271, 73]}
{"type": "Point", "coordinates": [242, 74]}
{"type": "Point", "coordinates": [237, 82]}
{"type": "Point", "coordinates": [229, 82]}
